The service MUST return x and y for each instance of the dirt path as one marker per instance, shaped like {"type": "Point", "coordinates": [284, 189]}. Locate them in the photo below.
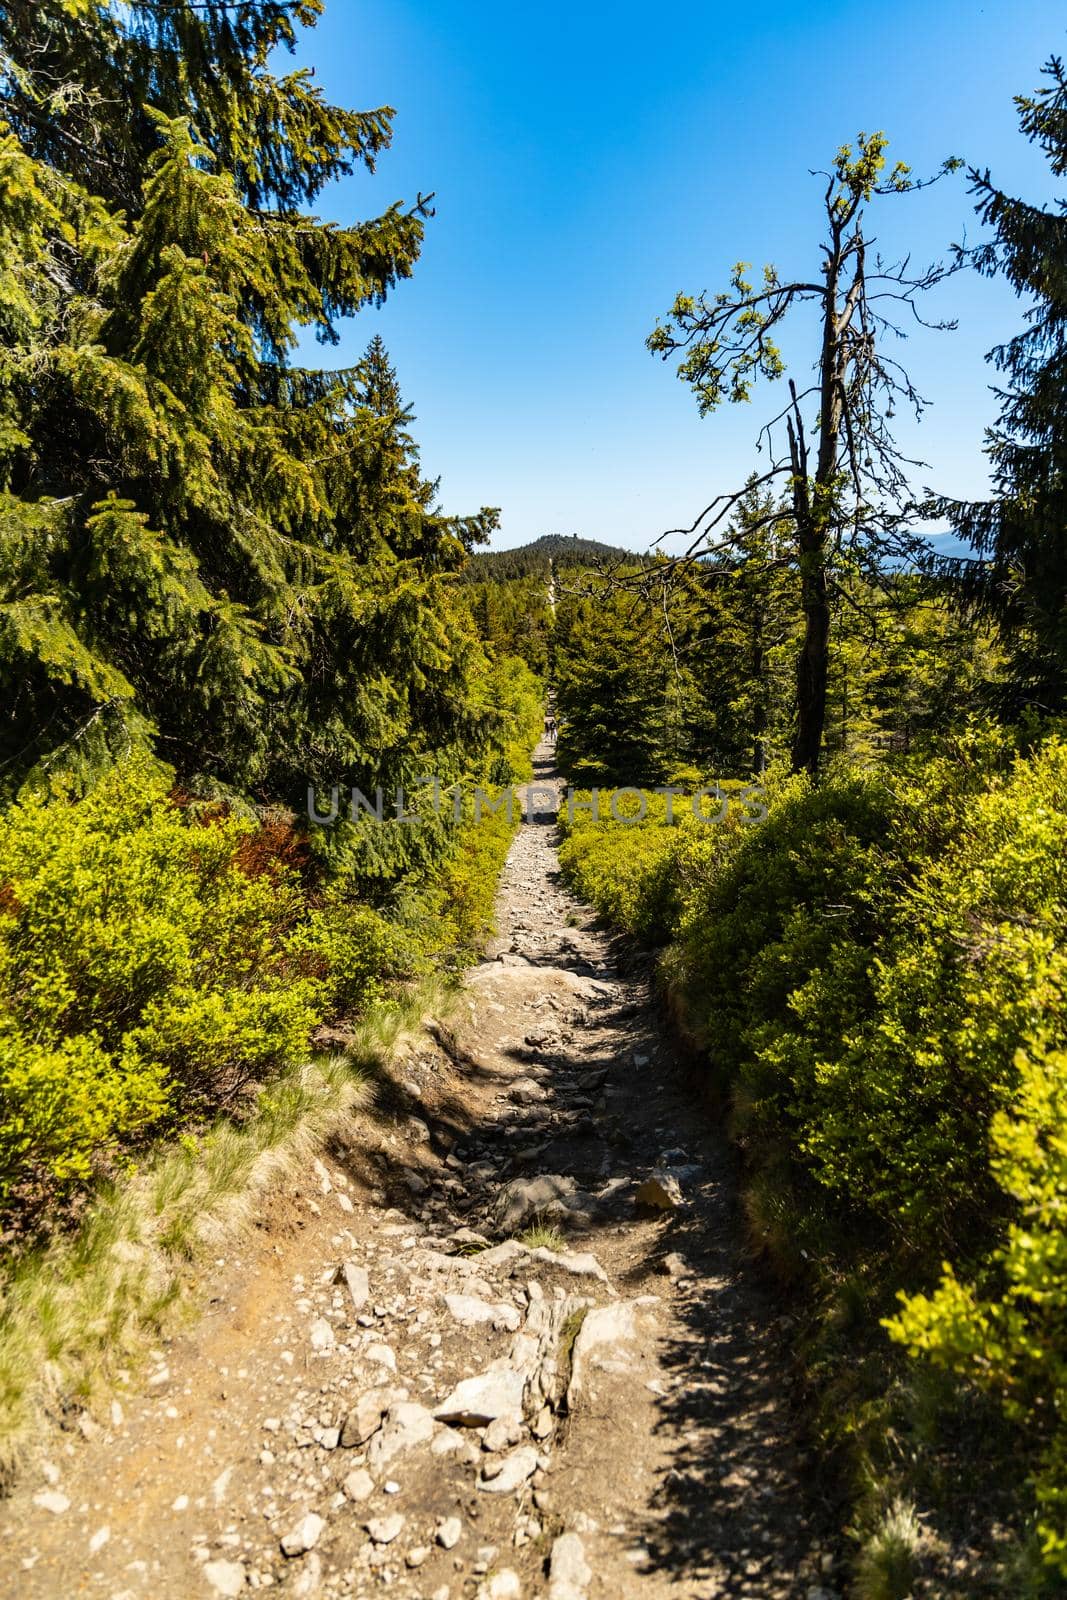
{"type": "Point", "coordinates": [388, 1390]}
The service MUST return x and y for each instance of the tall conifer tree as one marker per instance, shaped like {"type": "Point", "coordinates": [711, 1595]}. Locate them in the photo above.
{"type": "Point", "coordinates": [1021, 534]}
{"type": "Point", "coordinates": [203, 545]}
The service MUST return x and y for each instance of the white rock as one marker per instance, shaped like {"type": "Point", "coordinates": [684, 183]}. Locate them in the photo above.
{"type": "Point", "coordinates": [359, 1485]}
{"type": "Point", "coordinates": [448, 1443]}
{"type": "Point", "coordinates": [512, 1472]}
{"type": "Point", "coordinates": [417, 1555]}
{"type": "Point", "coordinates": [528, 1197]}
{"type": "Point", "coordinates": [383, 1530]}
{"type": "Point", "coordinates": [470, 1312]}
{"type": "Point", "coordinates": [308, 1585]}
{"type": "Point", "coordinates": [406, 1425]}
{"type": "Point", "coordinates": [358, 1281]}
{"type": "Point", "coordinates": [503, 1585]}
{"type": "Point", "coordinates": [582, 1263]}
{"type": "Point", "coordinates": [476, 1402]}
{"type": "Point", "coordinates": [569, 1572]}
{"type": "Point", "coordinates": [225, 1577]}
{"type": "Point", "coordinates": [605, 1327]}
{"type": "Point", "coordinates": [382, 1356]}
{"type": "Point", "coordinates": [366, 1416]}
{"type": "Point", "coordinates": [466, 1235]}
{"type": "Point", "coordinates": [99, 1539]}
{"type": "Point", "coordinates": [322, 1335]}
{"type": "Point", "coordinates": [498, 1256]}
{"type": "Point", "coordinates": [503, 1432]}
{"type": "Point", "coordinates": [582, 1522]}
{"type": "Point", "coordinates": [449, 1532]}
{"type": "Point", "coordinates": [523, 1353]}
{"type": "Point", "coordinates": [304, 1536]}
{"type": "Point", "coordinates": [437, 1261]}
{"type": "Point", "coordinates": [543, 1423]}
{"type": "Point", "coordinates": [52, 1500]}
{"type": "Point", "coordinates": [525, 1091]}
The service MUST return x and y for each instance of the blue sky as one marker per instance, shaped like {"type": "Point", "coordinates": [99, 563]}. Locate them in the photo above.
{"type": "Point", "coordinates": [590, 160]}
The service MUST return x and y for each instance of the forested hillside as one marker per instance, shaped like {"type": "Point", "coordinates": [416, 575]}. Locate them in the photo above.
{"type": "Point", "coordinates": [537, 559]}
{"type": "Point", "coordinates": [265, 699]}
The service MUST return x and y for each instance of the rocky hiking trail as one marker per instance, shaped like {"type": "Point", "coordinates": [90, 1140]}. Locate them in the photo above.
{"type": "Point", "coordinates": [388, 1389]}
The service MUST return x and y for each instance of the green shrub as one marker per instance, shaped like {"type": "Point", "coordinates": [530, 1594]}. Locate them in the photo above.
{"type": "Point", "coordinates": [62, 1104]}
{"type": "Point", "coordinates": [866, 964]}
{"type": "Point", "coordinates": [768, 904]}
{"type": "Point", "coordinates": [889, 1563]}
{"type": "Point", "coordinates": [637, 872]}
{"type": "Point", "coordinates": [143, 971]}
{"type": "Point", "coordinates": [1007, 1330]}
{"type": "Point", "coordinates": [517, 707]}
{"type": "Point", "coordinates": [360, 952]}
{"type": "Point", "coordinates": [879, 973]}
{"type": "Point", "coordinates": [463, 894]}
{"type": "Point", "coordinates": [158, 959]}
{"type": "Point", "coordinates": [635, 885]}
{"type": "Point", "coordinates": [969, 968]}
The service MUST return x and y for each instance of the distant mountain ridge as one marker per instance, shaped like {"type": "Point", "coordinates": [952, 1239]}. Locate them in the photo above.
{"type": "Point", "coordinates": [535, 559]}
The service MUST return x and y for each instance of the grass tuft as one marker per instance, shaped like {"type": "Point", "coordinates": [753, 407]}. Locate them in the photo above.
{"type": "Point", "coordinates": [75, 1313]}
{"type": "Point", "coordinates": [889, 1562]}
{"type": "Point", "coordinates": [542, 1236]}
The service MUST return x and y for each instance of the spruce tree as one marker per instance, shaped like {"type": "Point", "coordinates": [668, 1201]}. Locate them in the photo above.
{"type": "Point", "coordinates": [617, 689]}
{"type": "Point", "coordinates": [740, 643]}
{"type": "Point", "coordinates": [205, 547]}
{"type": "Point", "coordinates": [1020, 536]}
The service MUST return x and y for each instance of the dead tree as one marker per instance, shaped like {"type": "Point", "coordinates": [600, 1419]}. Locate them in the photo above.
{"type": "Point", "coordinates": [834, 467]}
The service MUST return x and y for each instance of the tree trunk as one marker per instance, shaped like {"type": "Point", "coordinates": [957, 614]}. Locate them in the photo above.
{"type": "Point", "coordinates": [757, 667]}
{"type": "Point", "coordinates": [812, 503]}
{"type": "Point", "coordinates": [812, 666]}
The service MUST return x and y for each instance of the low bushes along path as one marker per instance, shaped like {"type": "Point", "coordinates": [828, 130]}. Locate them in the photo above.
{"type": "Point", "coordinates": [387, 1390]}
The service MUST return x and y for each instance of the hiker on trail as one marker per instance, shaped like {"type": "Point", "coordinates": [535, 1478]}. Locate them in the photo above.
{"type": "Point", "coordinates": [550, 729]}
